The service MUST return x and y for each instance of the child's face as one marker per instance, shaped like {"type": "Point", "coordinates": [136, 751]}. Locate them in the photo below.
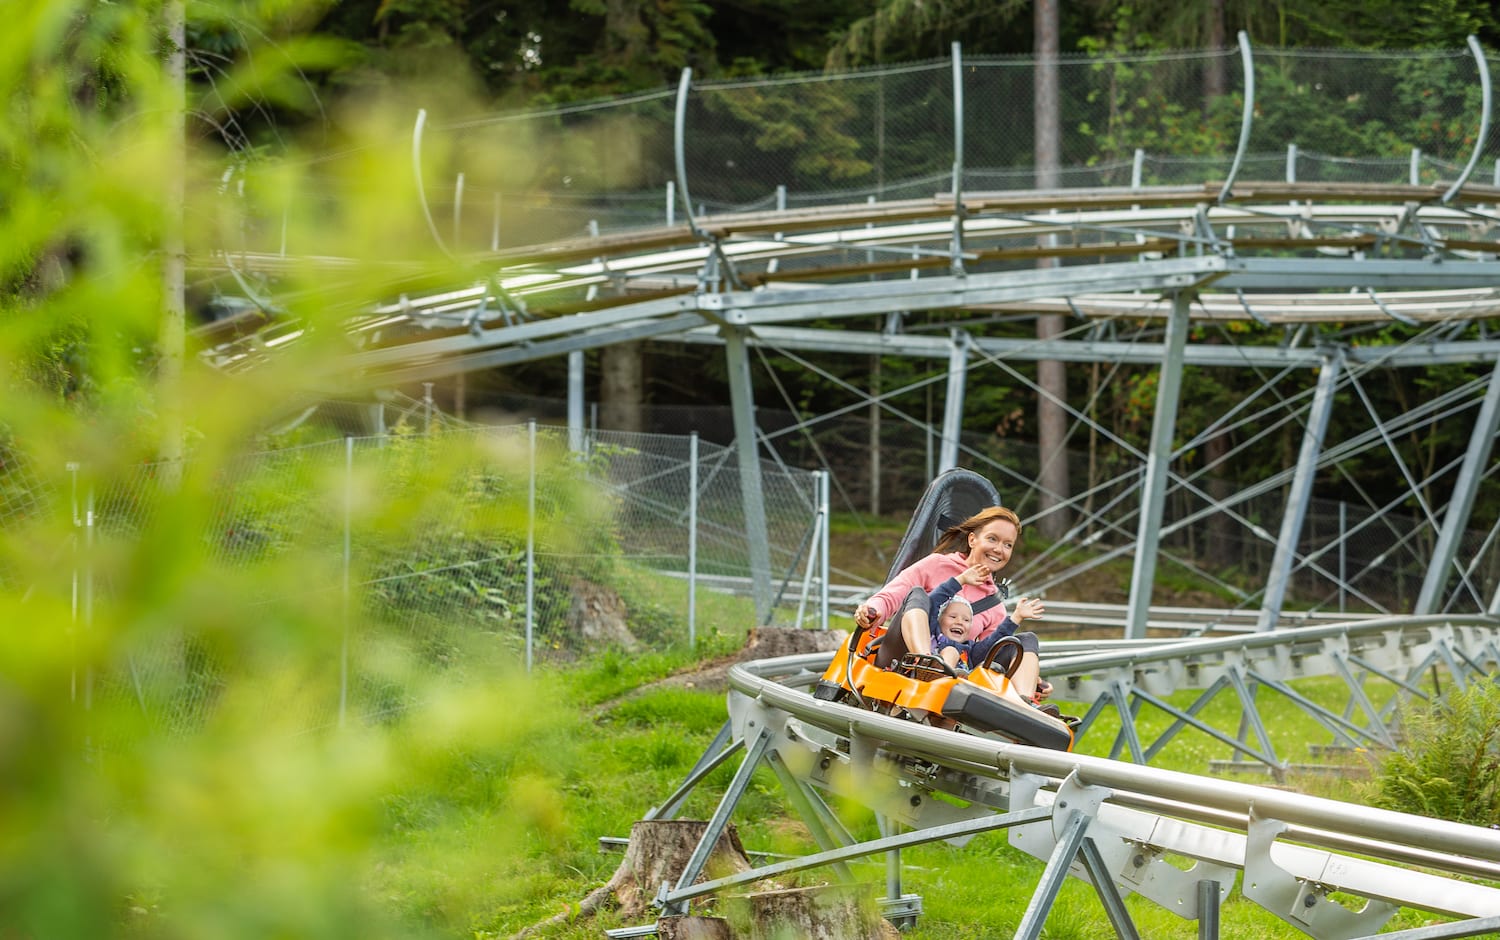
{"type": "Point", "coordinates": [954, 621]}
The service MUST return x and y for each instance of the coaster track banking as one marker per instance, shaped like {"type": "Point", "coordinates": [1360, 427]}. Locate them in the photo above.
{"type": "Point", "coordinates": [1283, 254]}
{"type": "Point", "coordinates": [1119, 825]}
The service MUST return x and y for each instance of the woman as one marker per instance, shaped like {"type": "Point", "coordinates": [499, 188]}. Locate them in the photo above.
{"type": "Point", "coordinates": [986, 539]}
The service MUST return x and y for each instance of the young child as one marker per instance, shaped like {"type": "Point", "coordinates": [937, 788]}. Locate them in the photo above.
{"type": "Point", "coordinates": [954, 618]}
{"type": "Point", "coordinates": [950, 617]}
{"type": "Point", "coordinates": [950, 621]}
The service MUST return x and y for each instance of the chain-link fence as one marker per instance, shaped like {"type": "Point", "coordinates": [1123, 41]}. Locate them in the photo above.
{"type": "Point", "coordinates": [920, 129]}
{"type": "Point", "coordinates": [464, 548]}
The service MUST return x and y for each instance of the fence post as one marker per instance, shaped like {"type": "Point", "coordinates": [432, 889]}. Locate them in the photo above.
{"type": "Point", "coordinates": [348, 542]}
{"type": "Point", "coordinates": [530, 536]}
{"type": "Point", "coordinates": [458, 207]}
{"type": "Point", "coordinates": [823, 549]}
{"type": "Point", "coordinates": [495, 226]}
{"type": "Point", "coordinates": [692, 607]}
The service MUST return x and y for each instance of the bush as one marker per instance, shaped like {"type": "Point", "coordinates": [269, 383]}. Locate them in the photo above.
{"type": "Point", "coordinates": [1449, 765]}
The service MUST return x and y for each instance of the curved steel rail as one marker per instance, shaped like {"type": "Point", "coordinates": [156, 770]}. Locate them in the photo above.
{"type": "Point", "coordinates": [858, 260]}
{"type": "Point", "coordinates": [1114, 823]}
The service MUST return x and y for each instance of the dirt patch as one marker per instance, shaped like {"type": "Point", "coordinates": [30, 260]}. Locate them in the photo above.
{"type": "Point", "coordinates": [762, 643]}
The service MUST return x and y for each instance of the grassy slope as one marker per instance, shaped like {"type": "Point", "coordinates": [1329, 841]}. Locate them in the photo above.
{"type": "Point", "coordinates": [503, 837]}
{"type": "Point", "coordinates": [523, 827]}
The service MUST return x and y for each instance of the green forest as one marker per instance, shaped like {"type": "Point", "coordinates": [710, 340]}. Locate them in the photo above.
{"type": "Point", "coordinates": [212, 722]}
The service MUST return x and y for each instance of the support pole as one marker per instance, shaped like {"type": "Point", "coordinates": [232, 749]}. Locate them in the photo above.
{"type": "Point", "coordinates": [530, 539]}
{"type": "Point", "coordinates": [575, 401]}
{"type": "Point", "coordinates": [752, 493]}
{"type": "Point", "coordinates": [1465, 489]}
{"type": "Point", "coordinates": [823, 511]}
{"type": "Point", "coordinates": [953, 407]}
{"type": "Point", "coordinates": [956, 265]}
{"type": "Point", "coordinates": [1158, 463]}
{"type": "Point", "coordinates": [692, 604]}
{"type": "Point", "coordinates": [1301, 490]}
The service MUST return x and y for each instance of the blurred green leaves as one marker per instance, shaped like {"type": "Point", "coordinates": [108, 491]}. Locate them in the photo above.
{"type": "Point", "coordinates": [203, 720]}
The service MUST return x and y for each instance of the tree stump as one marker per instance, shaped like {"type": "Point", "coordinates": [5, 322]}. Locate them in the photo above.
{"type": "Point", "coordinates": [693, 928]}
{"type": "Point", "coordinates": [657, 853]}
{"type": "Point", "coordinates": [824, 912]}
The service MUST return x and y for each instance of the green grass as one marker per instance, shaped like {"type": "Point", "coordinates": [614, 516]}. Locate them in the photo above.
{"type": "Point", "coordinates": [494, 839]}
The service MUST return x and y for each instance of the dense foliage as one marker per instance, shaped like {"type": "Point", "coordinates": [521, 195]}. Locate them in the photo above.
{"type": "Point", "coordinates": [1448, 764]}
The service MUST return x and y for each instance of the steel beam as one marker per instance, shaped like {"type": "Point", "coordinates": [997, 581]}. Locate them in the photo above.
{"type": "Point", "coordinates": [1461, 503]}
{"type": "Point", "coordinates": [1158, 458]}
{"type": "Point", "coordinates": [752, 493]}
{"type": "Point", "coordinates": [1300, 492]}
{"type": "Point", "coordinates": [575, 401]}
{"type": "Point", "coordinates": [953, 405]}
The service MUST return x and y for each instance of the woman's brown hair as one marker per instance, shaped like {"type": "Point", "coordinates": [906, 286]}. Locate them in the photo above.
{"type": "Point", "coordinates": [958, 535]}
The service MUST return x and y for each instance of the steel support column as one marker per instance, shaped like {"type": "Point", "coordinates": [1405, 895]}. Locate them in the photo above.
{"type": "Point", "coordinates": [1301, 489]}
{"type": "Point", "coordinates": [575, 401]}
{"type": "Point", "coordinates": [1154, 487]}
{"type": "Point", "coordinates": [956, 264]}
{"type": "Point", "coordinates": [752, 495]}
{"type": "Point", "coordinates": [953, 407]}
{"type": "Point", "coordinates": [1461, 504]}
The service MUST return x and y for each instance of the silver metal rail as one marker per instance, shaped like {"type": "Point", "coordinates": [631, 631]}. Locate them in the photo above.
{"type": "Point", "coordinates": [1120, 825]}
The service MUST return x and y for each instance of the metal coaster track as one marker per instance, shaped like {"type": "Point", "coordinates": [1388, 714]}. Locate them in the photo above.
{"type": "Point", "coordinates": [1123, 827]}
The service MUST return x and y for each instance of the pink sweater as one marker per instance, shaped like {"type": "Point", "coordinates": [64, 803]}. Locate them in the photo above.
{"type": "Point", "coordinates": [927, 573]}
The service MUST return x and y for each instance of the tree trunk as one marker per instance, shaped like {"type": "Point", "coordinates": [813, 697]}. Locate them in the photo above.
{"type": "Point", "coordinates": [625, 35]}
{"type": "Point", "coordinates": [1052, 376]}
{"type": "Point", "coordinates": [1215, 82]}
{"type": "Point", "coordinates": [620, 387]}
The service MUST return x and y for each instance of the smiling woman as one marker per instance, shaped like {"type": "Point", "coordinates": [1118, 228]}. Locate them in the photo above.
{"type": "Point", "coordinates": [985, 539]}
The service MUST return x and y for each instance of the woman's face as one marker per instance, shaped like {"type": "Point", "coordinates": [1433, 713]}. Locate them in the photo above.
{"type": "Point", "coordinates": [993, 544]}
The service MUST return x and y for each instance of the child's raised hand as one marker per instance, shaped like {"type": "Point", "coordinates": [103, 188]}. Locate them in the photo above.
{"type": "Point", "coordinates": [975, 574]}
{"type": "Point", "coordinates": [1028, 608]}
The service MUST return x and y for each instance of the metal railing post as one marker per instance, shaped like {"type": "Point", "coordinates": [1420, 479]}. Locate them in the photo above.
{"type": "Point", "coordinates": [1486, 104]}
{"type": "Point", "coordinates": [692, 611]}
{"type": "Point", "coordinates": [1247, 116]}
{"type": "Point", "coordinates": [530, 538]}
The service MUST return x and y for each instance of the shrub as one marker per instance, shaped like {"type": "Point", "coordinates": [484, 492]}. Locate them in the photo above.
{"type": "Point", "coordinates": [1449, 765]}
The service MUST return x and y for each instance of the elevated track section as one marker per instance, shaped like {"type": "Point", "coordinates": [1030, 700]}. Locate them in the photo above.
{"type": "Point", "coordinates": [1319, 289]}
{"type": "Point", "coordinates": [1183, 842]}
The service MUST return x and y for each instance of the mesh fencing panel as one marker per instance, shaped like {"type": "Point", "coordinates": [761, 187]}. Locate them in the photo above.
{"type": "Point", "coordinates": [432, 546]}
{"type": "Point", "coordinates": [1165, 118]}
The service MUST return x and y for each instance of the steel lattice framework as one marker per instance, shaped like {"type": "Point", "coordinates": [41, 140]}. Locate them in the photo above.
{"type": "Point", "coordinates": [1275, 276]}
